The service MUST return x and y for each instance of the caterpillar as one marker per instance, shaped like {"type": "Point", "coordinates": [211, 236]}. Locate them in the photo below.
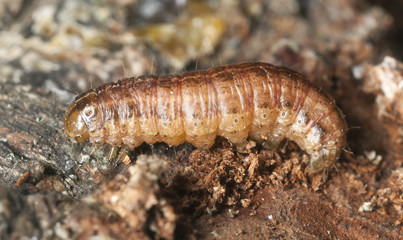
{"type": "Point", "coordinates": [254, 100]}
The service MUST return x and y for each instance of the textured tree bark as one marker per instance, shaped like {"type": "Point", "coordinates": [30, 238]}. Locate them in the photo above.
{"type": "Point", "coordinates": [33, 145]}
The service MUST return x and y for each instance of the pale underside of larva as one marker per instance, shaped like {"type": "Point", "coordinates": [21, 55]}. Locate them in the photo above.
{"type": "Point", "coordinates": [259, 101]}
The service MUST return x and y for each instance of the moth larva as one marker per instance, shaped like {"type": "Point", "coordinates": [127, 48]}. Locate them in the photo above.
{"type": "Point", "coordinates": [257, 100]}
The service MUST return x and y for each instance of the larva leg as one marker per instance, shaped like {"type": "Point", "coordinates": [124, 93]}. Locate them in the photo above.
{"type": "Point", "coordinates": [241, 145]}
{"type": "Point", "coordinates": [271, 143]}
{"type": "Point", "coordinates": [105, 163]}
{"type": "Point", "coordinates": [123, 153]}
{"type": "Point", "coordinates": [117, 154]}
{"type": "Point", "coordinates": [113, 153]}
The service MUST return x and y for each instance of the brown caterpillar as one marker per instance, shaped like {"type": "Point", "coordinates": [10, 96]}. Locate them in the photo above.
{"type": "Point", "coordinates": [257, 100]}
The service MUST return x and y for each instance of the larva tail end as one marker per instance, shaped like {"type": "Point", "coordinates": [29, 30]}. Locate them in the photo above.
{"type": "Point", "coordinates": [323, 159]}
{"type": "Point", "coordinates": [317, 164]}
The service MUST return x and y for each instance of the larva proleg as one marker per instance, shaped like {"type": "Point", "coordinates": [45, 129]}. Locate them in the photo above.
{"type": "Point", "coordinates": [253, 100]}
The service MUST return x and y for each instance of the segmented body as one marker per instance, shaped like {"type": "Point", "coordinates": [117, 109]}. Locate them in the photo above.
{"type": "Point", "coordinates": [257, 100]}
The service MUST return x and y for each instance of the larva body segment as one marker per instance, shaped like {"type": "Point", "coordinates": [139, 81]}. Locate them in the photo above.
{"type": "Point", "coordinates": [257, 100]}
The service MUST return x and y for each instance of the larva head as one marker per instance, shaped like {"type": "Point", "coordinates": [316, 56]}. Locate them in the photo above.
{"type": "Point", "coordinates": [81, 116]}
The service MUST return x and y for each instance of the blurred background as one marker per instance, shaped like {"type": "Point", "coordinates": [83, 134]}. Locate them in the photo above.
{"type": "Point", "coordinates": [77, 44]}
